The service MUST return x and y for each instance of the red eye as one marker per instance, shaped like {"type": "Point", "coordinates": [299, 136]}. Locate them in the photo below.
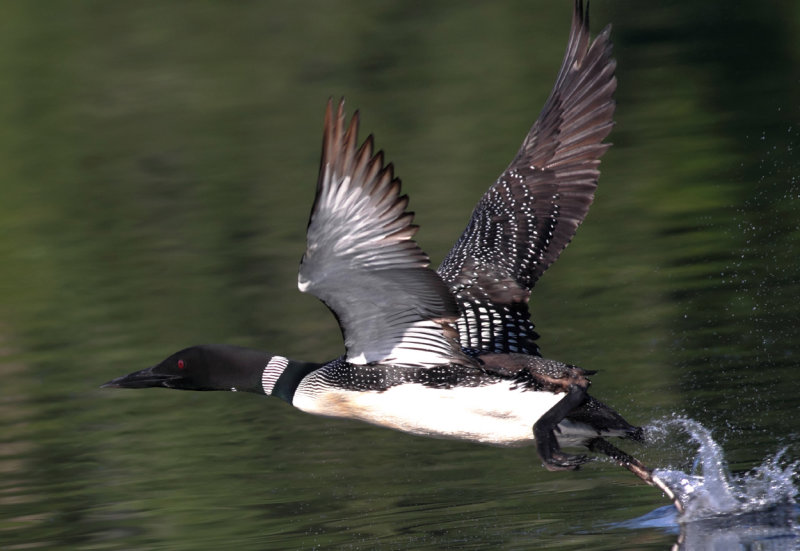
{"type": "Point", "coordinates": [181, 364]}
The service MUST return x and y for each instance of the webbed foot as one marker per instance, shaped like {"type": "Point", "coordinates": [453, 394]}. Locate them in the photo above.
{"type": "Point", "coordinates": [544, 433]}
{"type": "Point", "coordinates": [561, 461]}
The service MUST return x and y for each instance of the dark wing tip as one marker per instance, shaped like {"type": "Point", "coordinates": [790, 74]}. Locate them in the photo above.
{"type": "Point", "coordinates": [580, 16]}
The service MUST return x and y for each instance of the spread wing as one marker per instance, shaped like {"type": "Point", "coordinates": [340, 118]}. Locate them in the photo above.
{"type": "Point", "coordinates": [362, 262]}
{"type": "Point", "coordinates": [524, 221]}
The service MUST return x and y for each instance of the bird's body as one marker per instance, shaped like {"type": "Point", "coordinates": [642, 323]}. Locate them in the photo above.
{"type": "Point", "coordinates": [448, 353]}
{"type": "Point", "coordinates": [452, 401]}
{"type": "Point", "coordinates": [494, 412]}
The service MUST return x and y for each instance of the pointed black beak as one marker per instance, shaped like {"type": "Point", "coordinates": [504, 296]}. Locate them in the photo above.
{"type": "Point", "coordinates": [141, 379]}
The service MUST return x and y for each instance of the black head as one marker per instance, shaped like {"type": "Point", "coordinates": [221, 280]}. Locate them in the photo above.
{"type": "Point", "coordinates": [205, 367]}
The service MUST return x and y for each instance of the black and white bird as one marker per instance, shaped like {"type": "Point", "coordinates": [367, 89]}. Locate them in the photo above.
{"type": "Point", "coordinates": [449, 353]}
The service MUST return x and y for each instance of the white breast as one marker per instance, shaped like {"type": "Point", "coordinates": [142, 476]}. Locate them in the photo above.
{"type": "Point", "coordinates": [492, 414]}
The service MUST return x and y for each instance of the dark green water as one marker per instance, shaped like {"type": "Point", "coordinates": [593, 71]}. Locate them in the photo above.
{"type": "Point", "coordinates": [157, 166]}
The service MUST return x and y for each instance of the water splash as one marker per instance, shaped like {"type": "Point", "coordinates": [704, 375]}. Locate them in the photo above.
{"type": "Point", "coordinates": [753, 510]}
{"type": "Point", "coordinates": [710, 490]}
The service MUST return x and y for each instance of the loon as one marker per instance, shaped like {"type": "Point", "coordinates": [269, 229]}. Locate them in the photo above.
{"type": "Point", "coordinates": [450, 353]}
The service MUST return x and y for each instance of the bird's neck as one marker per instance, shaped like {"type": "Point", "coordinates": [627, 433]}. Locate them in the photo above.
{"type": "Point", "coordinates": [249, 370]}
{"type": "Point", "coordinates": [281, 376]}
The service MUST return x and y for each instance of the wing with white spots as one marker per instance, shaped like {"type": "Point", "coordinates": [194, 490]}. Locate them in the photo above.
{"type": "Point", "coordinates": [362, 262]}
{"type": "Point", "coordinates": [524, 221]}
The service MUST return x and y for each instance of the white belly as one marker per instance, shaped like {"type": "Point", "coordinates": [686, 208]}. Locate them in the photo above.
{"type": "Point", "coordinates": [492, 414]}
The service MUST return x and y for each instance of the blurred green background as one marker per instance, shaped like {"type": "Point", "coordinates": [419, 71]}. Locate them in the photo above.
{"type": "Point", "coordinates": [157, 165]}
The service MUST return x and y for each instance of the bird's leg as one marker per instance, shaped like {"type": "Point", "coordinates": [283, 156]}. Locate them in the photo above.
{"type": "Point", "coordinates": [544, 432]}
{"type": "Point", "coordinates": [633, 465]}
